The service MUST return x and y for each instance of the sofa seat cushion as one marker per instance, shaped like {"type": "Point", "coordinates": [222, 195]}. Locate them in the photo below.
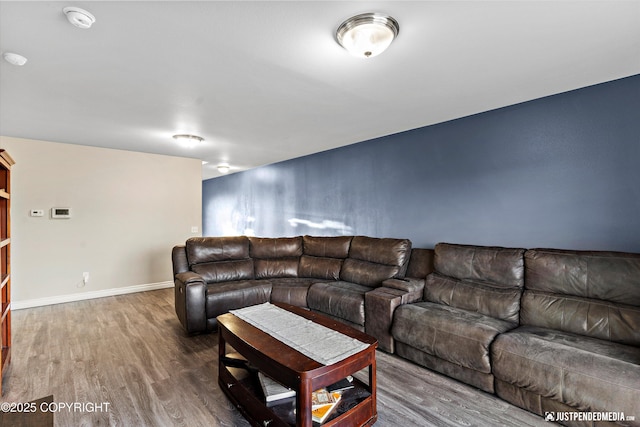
{"type": "Point", "coordinates": [291, 291]}
{"type": "Point", "coordinates": [457, 336]}
{"type": "Point", "coordinates": [225, 296]}
{"type": "Point", "coordinates": [582, 372]}
{"type": "Point", "coordinates": [343, 300]}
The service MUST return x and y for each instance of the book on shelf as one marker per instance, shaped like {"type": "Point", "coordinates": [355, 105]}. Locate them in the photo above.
{"type": "Point", "coordinates": [274, 392]}
{"type": "Point", "coordinates": [323, 403]}
{"type": "Point", "coordinates": [322, 397]}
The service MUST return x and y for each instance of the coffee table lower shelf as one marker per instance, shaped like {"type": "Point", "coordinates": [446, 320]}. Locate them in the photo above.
{"type": "Point", "coordinates": [243, 390]}
{"type": "Point", "coordinates": [240, 341]}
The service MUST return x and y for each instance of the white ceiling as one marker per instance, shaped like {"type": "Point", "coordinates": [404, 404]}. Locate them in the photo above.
{"type": "Point", "coordinates": [265, 81]}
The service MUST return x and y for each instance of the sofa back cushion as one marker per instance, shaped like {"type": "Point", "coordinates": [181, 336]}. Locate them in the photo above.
{"type": "Point", "coordinates": [225, 271]}
{"type": "Point", "coordinates": [590, 293]}
{"type": "Point", "coordinates": [220, 259]}
{"type": "Point", "coordinates": [320, 267]}
{"type": "Point", "coordinates": [275, 257]}
{"type": "Point", "coordinates": [323, 256]}
{"type": "Point", "coordinates": [327, 247]}
{"type": "Point", "coordinates": [608, 276]}
{"type": "Point", "coordinates": [500, 266]}
{"type": "Point", "coordinates": [482, 279]}
{"type": "Point", "coordinates": [211, 249]}
{"type": "Point", "coordinates": [372, 260]}
{"type": "Point", "coordinates": [420, 263]}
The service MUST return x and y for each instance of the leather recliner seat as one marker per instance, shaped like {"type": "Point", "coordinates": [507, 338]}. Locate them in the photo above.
{"type": "Point", "coordinates": [472, 296]}
{"type": "Point", "coordinates": [371, 261]}
{"type": "Point", "coordinates": [293, 264]}
{"type": "Point", "coordinates": [578, 346]}
{"type": "Point", "coordinates": [213, 276]}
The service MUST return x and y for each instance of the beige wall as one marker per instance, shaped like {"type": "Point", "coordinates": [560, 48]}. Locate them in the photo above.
{"type": "Point", "coordinates": [128, 210]}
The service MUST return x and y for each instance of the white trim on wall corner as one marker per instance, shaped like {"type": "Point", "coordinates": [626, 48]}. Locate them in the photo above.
{"type": "Point", "coordinates": [60, 299]}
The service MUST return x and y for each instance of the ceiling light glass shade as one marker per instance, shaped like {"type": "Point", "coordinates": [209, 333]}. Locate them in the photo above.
{"type": "Point", "coordinates": [223, 168]}
{"type": "Point", "coordinates": [368, 34]}
{"type": "Point", "coordinates": [14, 59]}
{"type": "Point", "coordinates": [187, 140]}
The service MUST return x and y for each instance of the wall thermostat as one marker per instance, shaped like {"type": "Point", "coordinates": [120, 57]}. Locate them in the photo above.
{"type": "Point", "coordinates": [60, 213]}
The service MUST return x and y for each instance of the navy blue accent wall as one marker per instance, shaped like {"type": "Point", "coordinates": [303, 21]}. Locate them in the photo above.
{"type": "Point", "coordinates": [561, 171]}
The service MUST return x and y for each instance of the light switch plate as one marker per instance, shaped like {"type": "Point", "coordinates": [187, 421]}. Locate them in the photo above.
{"type": "Point", "coordinates": [36, 212]}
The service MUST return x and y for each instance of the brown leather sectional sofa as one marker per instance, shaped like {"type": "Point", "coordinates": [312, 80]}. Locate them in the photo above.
{"type": "Point", "coordinates": [547, 330]}
{"type": "Point", "coordinates": [330, 275]}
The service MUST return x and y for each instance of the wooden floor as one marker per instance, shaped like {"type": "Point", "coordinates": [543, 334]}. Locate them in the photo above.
{"type": "Point", "coordinates": [130, 351]}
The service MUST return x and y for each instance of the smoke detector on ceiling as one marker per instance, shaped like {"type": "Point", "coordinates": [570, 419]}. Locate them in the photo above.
{"type": "Point", "coordinates": [79, 17]}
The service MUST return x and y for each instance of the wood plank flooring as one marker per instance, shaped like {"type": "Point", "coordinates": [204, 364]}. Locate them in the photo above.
{"type": "Point", "coordinates": [131, 352]}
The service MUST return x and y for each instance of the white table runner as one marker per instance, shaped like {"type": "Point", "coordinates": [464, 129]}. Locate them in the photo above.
{"type": "Point", "coordinates": [315, 341]}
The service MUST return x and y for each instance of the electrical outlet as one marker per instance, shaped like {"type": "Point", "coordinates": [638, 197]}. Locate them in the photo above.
{"type": "Point", "coordinates": [194, 228]}
{"type": "Point", "coordinates": [85, 277]}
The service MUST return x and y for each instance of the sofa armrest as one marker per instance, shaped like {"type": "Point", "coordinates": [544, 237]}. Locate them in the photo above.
{"type": "Point", "coordinates": [380, 304]}
{"type": "Point", "coordinates": [190, 301]}
{"type": "Point", "coordinates": [189, 277]}
{"type": "Point", "coordinates": [412, 286]}
{"type": "Point", "coordinates": [179, 259]}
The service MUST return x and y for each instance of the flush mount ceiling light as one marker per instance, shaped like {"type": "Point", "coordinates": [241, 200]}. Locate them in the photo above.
{"type": "Point", "coordinates": [224, 168]}
{"type": "Point", "coordinates": [14, 59]}
{"type": "Point", "coordinates": [79, 17]}
{"type": "Point", "coordinates": [188, 140]}
{"type": "Point", "coordinates": [368, 34]}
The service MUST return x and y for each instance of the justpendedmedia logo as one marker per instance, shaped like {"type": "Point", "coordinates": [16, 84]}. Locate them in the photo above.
{"type": "Point", "coordinates": [588, 416]}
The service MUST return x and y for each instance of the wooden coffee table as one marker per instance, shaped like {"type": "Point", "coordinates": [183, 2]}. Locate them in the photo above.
{"type": "Point", "coordinates": [295, 370]}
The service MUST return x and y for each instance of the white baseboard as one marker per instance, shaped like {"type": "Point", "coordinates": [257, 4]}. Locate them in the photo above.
{"type": "Point", "coordinates": [38, 302]}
